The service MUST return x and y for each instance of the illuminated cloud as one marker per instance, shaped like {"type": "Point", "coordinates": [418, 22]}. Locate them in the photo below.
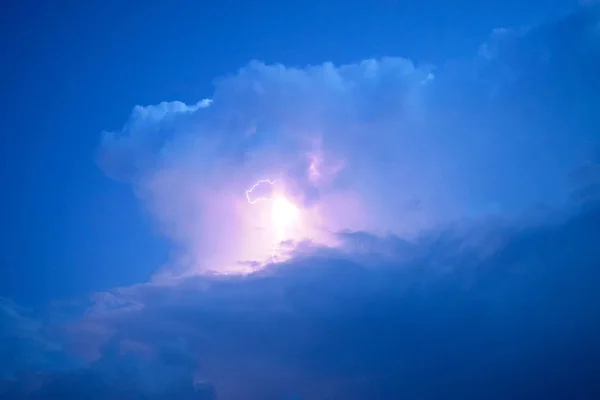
{"type": "Point", "coordinates": [498, 304]}
{"type": "Point", "coordinates": [316, 130]}
{"type": "Point", "coordinates": [382, 145]}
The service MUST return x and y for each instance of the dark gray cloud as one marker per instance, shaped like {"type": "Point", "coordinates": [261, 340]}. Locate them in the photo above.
{"type": "Point", "coordinates": [116, 374]}
{"type": "Point", "coordinates": [511, 314]}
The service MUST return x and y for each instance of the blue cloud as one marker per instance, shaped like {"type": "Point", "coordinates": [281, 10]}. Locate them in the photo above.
{"type": "Point", "coordinates": [512, 314]}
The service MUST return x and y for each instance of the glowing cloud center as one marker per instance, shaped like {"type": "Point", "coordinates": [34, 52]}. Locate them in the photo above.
{"type": "Point", "coordinates": [284, 214]}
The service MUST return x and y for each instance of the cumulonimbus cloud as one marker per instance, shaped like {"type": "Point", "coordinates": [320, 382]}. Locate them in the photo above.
{"type": "Point", "coordinates": [498, 308]}
{"type": "Point", "coordinates": [319, 130]}
{"type": "Point", "coordinates": [382, 145]}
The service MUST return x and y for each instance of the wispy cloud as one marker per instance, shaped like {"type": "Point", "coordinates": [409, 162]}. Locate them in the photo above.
{"type": "Point", "coordinates": [23, 340]}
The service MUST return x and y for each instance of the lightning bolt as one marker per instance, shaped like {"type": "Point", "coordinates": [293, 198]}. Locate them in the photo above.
{"type": "Point", "coordinates": [254, 187]}
{"type": "Point", "coordinates": [248, 192]}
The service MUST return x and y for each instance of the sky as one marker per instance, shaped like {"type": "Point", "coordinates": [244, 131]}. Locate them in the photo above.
{"type": "Point", "coordinates": [301, 200]}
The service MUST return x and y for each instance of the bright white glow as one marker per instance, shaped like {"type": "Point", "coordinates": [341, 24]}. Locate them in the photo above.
{"type": "Point", "coordinates": [284, 215]}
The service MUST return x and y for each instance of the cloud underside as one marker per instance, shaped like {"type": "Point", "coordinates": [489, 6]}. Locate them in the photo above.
{"type": "Point", "coordinates": [464, 205]}
{"type": "Point", "coordinates": [488, 311]}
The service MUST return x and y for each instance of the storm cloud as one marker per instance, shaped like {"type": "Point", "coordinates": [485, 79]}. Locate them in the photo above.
{"type": "Point", "coordinates": [460, 219]}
